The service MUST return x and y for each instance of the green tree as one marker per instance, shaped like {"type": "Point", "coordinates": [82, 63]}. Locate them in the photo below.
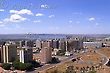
{"type": "Point", "coordinates": [35, 64]}
{"type": "Point", "coordinates": [16, 64]}
{"type": "Point", "coordinates": [6, 66]}
{"type": "Point", "coordinates": [22, 66]}
{"type": "Point", "coordinates": [61, 52]}
{"type": "Point", "coordinates": [29, 66]}
{"type": "Point", "coordinates": [55, 60]}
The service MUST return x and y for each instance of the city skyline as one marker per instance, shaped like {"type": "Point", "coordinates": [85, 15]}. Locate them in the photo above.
{"type": "Point", "coordinates": [54, 16]}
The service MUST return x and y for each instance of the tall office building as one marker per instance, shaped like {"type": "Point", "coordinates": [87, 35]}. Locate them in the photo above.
{"type": "Point", "coordinates": [25, 54]}
{"type": "Point", "coordinates": [47, 44]}
{"type": "Point", "coordinates": [24, 43]}
{"type": "Point", "coordinates": [29, 43]}
{"type": "Point", "coordinates": [21, 43]}
{"type": "Point", "coordinates": [75, 44]}
{"type": "Point", "coordinates": [25, 51]}
{"type": "Point", "coordinates": [8, 53]}
{"type": "Point", "coordinates": [55, 44]}
{"type": "Point", "coordinates": [62, 44]}
{"type": "Point", "coordinates": [38, 44]}
{"type": "Point", "coordinates": [46, 55]}
{"type": "Point", "coordinates": [0, 53]}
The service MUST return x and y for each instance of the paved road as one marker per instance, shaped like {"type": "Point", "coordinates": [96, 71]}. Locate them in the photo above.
{"type": "Point", "coordinates": [105, 58]}
{"type": "Point", "coordinates": [47, 66]}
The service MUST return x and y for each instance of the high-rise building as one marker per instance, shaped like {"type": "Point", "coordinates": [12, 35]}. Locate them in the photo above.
{"type": "Point", "coordinates": [55, 44]}
{"type": "Point", "coordinates": [46, 55]}
{"type": "Point", "coordinates": [28, 43]}
{"type": "Point", "coordinates": [74, 44]}
{"type": "Point", "coordinates": [8, 53]}
{"type": "Point", "coordinates": [38, 44]}
{"type": "Point", "coordinates": [0, 53]}
{"type": "Point", "coordinates": [92, 44]}
{"type": "Point", "coordinates": [25, 54]}
{"type": "Point", "coordinates": [22, 43]}
{"type": "Point", "coordinates": [47, 44]}
{"type": "Point", "coordinates": [62, 44]}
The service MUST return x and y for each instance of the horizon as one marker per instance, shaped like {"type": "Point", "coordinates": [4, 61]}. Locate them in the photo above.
{"type": "Point", "coordinates": [50, 34]}
{"type": "Point", "coordinates": [54, 16]}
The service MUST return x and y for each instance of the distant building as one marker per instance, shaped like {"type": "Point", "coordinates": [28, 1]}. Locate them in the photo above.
{"type": "Point", "coordinates": [62, 45]}
{"type": "Point", "coordinates": [2, 43]}
{"type": "Point", "coordinates": [46, 55]}
{"type": "Point", "coordinates": [47, 44]}
{"type": "Point", "coordinates": [28, 43]}
{"type": "Point", "coordinates": [25, 51]}
{"type": "Point", "coordinates": [21, 43]}
{"type": "Point", "coordinates": [74, 44]}
{"type": "Point", "coordinates": [67, 53]}
{"type": "Point", "coordinates": [38, 44]}
{"type": "Point", "coordinates": [25, 54]}
{"type": "Point", "coordinates": [55, 44]}
{"type": "Point", "coordinates": [92, 44]}
{"type": "Point", "coordinates": [8, 53]}
{"type": "Point", "coordinates": [106, 43]}
{"type": "Point", "coordinates": [70, 45]}
{"type": "Point", "coordinates": [0, 53]}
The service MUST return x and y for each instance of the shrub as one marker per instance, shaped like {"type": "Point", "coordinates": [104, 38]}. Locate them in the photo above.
{"type": "Point", "coordinates": [35, 64]}
{"type": "Point", "coordinates": [29, 66]}
{"type": "Point", "coordinates": [55, 60]}
{"type": "Point", "coordinates": [6, 66]}
{"type": "Point", "coordinates": [22, 66]}
{"type": "Point", "coordinates": [16, 64]}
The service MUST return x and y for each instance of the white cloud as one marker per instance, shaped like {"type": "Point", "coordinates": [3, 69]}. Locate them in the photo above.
{"type": "Point", "coordinates": [15, 18]}
{"type": "Point", "coordinates": [37, 21]}
{"type": "Point", "coordinates": [70, 21]}
{"type": "Point", "coordinates": [6, 20]}
{"type": "Point", "coordinates": [45, 6]}
{"type": "Point", "coordinates": [92, 19]}
{"type": "Point", "coordinates": [1, 10]}
{"type": "Point", "coordinates": [51, 16]}
{"type": "Point", "coordinates": [14, 11]}
{"type": "Point", "coordinates": [1, 22]}
{"type": "Point", "coordinates": [23, 11]}
{"type": "Point", "coordinates": [39, 14]}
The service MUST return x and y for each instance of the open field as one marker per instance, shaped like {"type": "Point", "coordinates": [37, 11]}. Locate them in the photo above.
{"type": "Point", "coordinates": [105, 51]}
{"type": "Point", "coordinates": [89, 59]}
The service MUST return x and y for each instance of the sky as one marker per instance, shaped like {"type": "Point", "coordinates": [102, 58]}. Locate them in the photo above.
{"type": "Point", "coordinates": [55, 16]}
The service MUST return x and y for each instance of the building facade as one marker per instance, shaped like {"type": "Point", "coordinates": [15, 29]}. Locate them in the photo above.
{"type": "Point", "coordinates": [38, 44]}
{"type": "Point", "coordinates": [25, 54]}
{"type": "Point", "coordinates": [45, 55]}
{"type": "Point", "coordinates": [47, 44]}
{"type": "Point", "coordinates": [8, 53]}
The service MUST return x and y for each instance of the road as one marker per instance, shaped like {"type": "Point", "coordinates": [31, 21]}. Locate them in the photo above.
{"type": "Point", "coordinates": [105, 58]}
{"type": "Point", "coordinates": [47, 66]}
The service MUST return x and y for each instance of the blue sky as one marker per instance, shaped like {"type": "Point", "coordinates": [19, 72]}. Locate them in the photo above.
{"type": "Point", "coordinates": [55, 16]}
